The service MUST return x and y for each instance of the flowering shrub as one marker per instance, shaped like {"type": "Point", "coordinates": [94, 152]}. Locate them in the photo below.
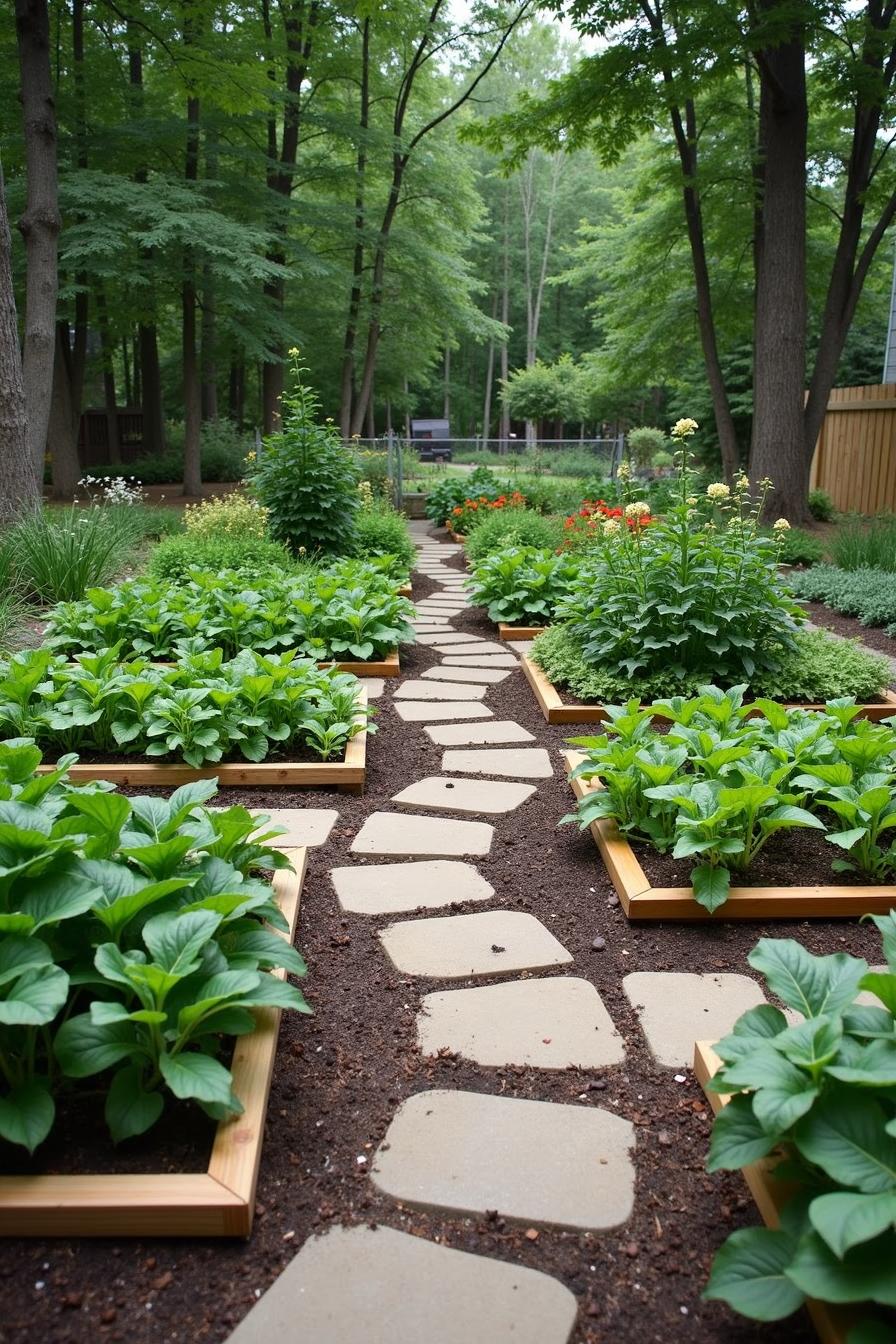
{"type": "Point", "coordinates": [125, 490]}
{"type": "Point", "coordinates": [466, 516]}
{"type": "Point", "coordinates": [448, 493]}
{"type": "Point", "coordinates": [681, 596]}
{"type": "Point", "coordinates": [234, 515]}
{"type": "Point", "coordinates": [594, 517]}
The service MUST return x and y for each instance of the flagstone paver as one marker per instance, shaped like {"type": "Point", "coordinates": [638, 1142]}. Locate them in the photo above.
{"type": "Point", "coordinates": [361, 1285]}
{"type": "Point", "coordinates": [390, 833]}
{"type": "Point", "coordinates": [531, 1161]}
{"type": "Point", "coordinates": [304, 825]}
{"type": "Point", "coordinates": [555, 1023]}
{"type": "Point", "coordinates": [442, 690]}
{"type": "Point", "coordinates": [414, 711]}
{"type": "Point", "coordinates": [489, 797]}
{"type": "Point", "coordinates": [491, 675]}
{"type": "Point", "coordinates": [446, 641]}
{"type": "Point", "coordinates": [387, 888]}
{"type": "Point", "coordinates": [515, 762]}
{"type": "Point", "coordinates": [677, 1008]}
{"type": "Point", "coordinates": [374, 686]}
{"type": "Point", "coordinates": [520, 646]}
{"type": "Point", "coordinates": [490, 942]}
{"type": "Point", "coordinates": [481, 646]}
{"type": "Point", "coordinates": [464, 734]}
{"type": "Point", "coordinates": [480, 660]}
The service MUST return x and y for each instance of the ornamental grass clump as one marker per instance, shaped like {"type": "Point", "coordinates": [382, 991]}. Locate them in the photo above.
{"type": "Point", "coordinates": [683, 596]}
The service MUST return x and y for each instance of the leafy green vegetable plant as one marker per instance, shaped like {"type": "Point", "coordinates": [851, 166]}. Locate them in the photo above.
{"type": "Point", "coordinates": [199, 711]}
{"type": "Point", "coordinates": [451, 491]}
{"type": "Point", "coordinates": [522, 585]}
{"type": "Point", "coordinates": [134, 939]}
{"type": "Point", "coordinates": [822, 1093]}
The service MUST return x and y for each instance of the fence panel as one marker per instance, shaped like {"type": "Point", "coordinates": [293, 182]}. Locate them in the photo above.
{"type": "Point", "coordinates": [855, 457]}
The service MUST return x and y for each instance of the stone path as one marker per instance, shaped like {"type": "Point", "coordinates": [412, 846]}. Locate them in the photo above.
{"type": "Point", "coordinates": [542, 1163]}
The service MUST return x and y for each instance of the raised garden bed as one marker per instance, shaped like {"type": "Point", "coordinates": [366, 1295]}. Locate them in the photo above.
{"type": "Point", "coordinates": [833, 1323]}
{"type": "Point", "coordinates": [555, 710]}
{"type": "Point", "coordinates": [640, 900]}
{"type": "Point", "coordinates": [219, 1202]}
{"type": "Point", "coordinates": [514, 632]}
{"type": "Point", "coordinates": [382, 667]}
{"type": "Point", "coordinates": [347, 775]}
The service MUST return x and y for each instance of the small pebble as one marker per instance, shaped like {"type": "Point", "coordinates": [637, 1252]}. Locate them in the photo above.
{"type": "Point", "coordinates": [599, 944]}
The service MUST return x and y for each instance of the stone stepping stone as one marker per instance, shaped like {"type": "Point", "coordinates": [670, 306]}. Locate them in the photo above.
{"type": "Point", "coordinates": [453, 947]}
{"type": "Point", "coordinates": [474, 646]}
{"type": "Point", "coordinates": [373, 685]}
{"type": "Point", "coordinates": [391, 833]}
{"type": "Point", "coordinates": [522, 646]}
{"type": "Point", "coordinates": [441, 690]}
{"type": "Point", "coordinates": [431, 628]}
{"type": "Point", "coordinates": [464, 734]}
{"type": "Point", "coordinates": [359, 1285]}
{"type": "Point", "coordinates": [677, 1008]}
{"type": "Point", "coordinates": [444, 642]}
{"type": "Point", "coordinates": [305, 826]}
{"type": "Point", "coordinates": [464, 795]}
{"type": "Point", "coordinates": [557, 1023]}
{"type": "Point", "coordinates": [530, 1161]}
{"type": "Point", "coordinates": [387, 888]}
{"type": "Point", "coordinates": [483, 660]}
{"type": "Point", "coordinates": [516, 763]}
{"type": "Point", "coordinates": [443, 603]}
{"type": "Point", "coordinates": [491, 675]}
{"type": "Point", "coordinates": [416, 711]}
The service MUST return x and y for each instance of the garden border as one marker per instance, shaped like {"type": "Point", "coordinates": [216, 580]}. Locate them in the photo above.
{"type": "Point", "coordinates": [555, 711]}
{"type": "Point", "coordinates": [515, 632]}
{"type": "Point", "coordinates": [832, 1322]}
{"type": "Point", "coordinates": [347, 775]}
{"type": "Point", "coordinates": [383, 667]}
{"type": "Point", "coordinates": [639, 900]}
{"type": "Point", "coordinates": [219, 1202]}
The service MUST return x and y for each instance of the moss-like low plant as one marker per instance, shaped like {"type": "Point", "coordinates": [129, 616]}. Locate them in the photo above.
{"type": "Point", "coordinates": [867, 594]}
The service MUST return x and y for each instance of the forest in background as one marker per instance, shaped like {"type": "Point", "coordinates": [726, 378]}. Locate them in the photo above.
{"type": "Point", "coordinates": [235, 181]}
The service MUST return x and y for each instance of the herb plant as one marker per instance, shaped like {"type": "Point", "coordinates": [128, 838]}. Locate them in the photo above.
{"type": "Point", "coordinates": [822, 1093]}
{"type": "Point", "coordinates": [200, 711]}
{"type": "Point", "coordinates": [522, 585]}
{"type": "Point", "coordinates": [134, 938]}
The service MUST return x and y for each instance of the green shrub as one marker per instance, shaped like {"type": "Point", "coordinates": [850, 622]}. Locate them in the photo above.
{"type": "Point", "coordinates": [821, 506]}
{"type": "Point", "coordinates": [820, 667]}
{"type": "Point", "coordinates": [513, 527]}
{"type": "Point", "coordinates": [863, 543]}
{"type": "Point", "coordinates": [223, 449]}
{"type": "Point", "coordinates": [522, 585]}
{"type": "Point", "coordinates": [174, 558]}
{"type": "Point", "coordinates": [644, 443]}
{"type": "Point", "coordinates": [867, 594]}
{"type": "Point", "coordinates": [232, 515]}
{"type": "Point", "coordinates": [796, 547]}
{"type": "Point", "coordinates": [60, 553]}
{"type": "Point", "coordinates": [130, 973]}
{"type": "Point", "coordinates": [381, 530]}
{"type": "Point", "coordinates": [451, 491]}
{"type": "Point", "coordinates": [306, 478]}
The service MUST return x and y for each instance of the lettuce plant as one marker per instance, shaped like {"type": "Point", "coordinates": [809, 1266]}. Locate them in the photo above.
{"type": "Point", "coordinates": [135, 938]}
{"type": "Point", "coordinates": [522, 584]}
{"type": "Point", "coordinates": [820, 1093]}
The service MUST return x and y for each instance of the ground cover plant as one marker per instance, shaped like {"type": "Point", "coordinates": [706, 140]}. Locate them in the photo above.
{"type": "Point", "coordinates": [134, 941]}
{"type": "Point", "coordinates": [199, 711]}
{"type": "Point", "coordinates": [821, 1092]}
{"type": "Point", "coordinates": [728, 776]}
{"type": "Point", "coordinates": [504, 528]}
{"type": "Point", "coordinates": [349, 611]}
{"type": "Point", "coordinates": [522, 585]}
{"type": "Point", "coordinates": [867, 594]}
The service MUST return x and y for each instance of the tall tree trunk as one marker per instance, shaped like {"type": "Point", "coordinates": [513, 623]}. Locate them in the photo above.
{"type": "Point", "coordinates": [191, 382]}
{"type": "Point", "coordinates": [236, 392]}
{"type": "Point", "coordinates": [110, 400]}
{"type": "Point", "coordinates": [19, 490]}
{"type": "Point", "coordinates": [209, 355]}
{"type": "Point", "coordinates": [40, 223]}
{"type": "Point", "coordinates": [504, 423]}
{"type": "Point", "coordinates": [147, 375]}
{"type": "Point", "coordinates": [126, 366]}
{"type": "Point", "coordinates": [489, 378]}
{"type": "Point", "coordinates": [78, 362]}
{"type": "Point", "coordinates": [779, 372]}
{"type": "Point", "coordinates": [62, 443]}
{"type": "Point", "coordinates": [349, 340]}
{"type": "Point", "coordinates": [446, 384]}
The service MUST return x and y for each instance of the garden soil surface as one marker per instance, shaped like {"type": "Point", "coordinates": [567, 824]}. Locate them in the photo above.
{"type": "Point", "coordinates": [341, 1074]}
{"type": "Point", "coordinates": [870, 635]}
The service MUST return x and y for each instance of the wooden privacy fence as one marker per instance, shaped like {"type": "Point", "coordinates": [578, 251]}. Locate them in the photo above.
{"type": "Point", "coordinates": [855, 457]}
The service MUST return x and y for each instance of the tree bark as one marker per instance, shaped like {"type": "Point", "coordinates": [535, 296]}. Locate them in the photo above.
{"type": "Point", "coordinates": [147, 376]}
{"type": "Point", "coordinates": [236, 392]}
{"type": "Point", "coordinates": [78, 361]}
{"type": "Point", "coordinates": [19, 490]}
{"type": "Point", "coordinates": [504, 424]}
{"type": "Point", "coordinates": [191, 384]}
{"type": "Point", "coordinates": [489, 379]}
{"type": "Point", "coordinates": [349, 341]}
{"type": "Point", "coordinates": [210, 409]}
{"type": "Point", "coordinates": [110, 400]}
{"type": "Point", "coordinates": [779, 364]}
{"type": "Point", "coordinates": [40, 224]}
{"type": "Point", "coordinates": [62, 443]}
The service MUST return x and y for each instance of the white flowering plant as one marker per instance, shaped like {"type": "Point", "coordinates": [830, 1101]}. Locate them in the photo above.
{"type": "Point", "coordinates": [682, 596]}
{"type": "Point", "coordinates": [124, 490]}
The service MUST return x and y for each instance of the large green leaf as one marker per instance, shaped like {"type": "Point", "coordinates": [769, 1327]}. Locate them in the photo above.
{"type": "Point", "coordinates": [813, 1043]}
{"type": "Point", "coordinates": [175, 940]}
{"type": "Point", "coordinates": [864, 1274]}
{"type": "Point", "coordinates": [18, 955]}
{"type": "Point", "coordinates": [748, 1273]}
{"type": "Point", "coordinates": [266, 948]}
{"type": "Point", "coordinates": [737, 1137]}
{"type": "Point", "coordinates": [874, 1065]}
{"type": "Point", "coordinates": [120, 913]}
{"type": "Point", "coordinates": [130, 1110]}
{"type": "Point", "coordinates": [55, 897]}
{"type": "Point", "coordinates": [26, 1115]}
{"type": "Point", "coordinates": [812, 985]}
{"type": "Point", "coordinates": [883, 985]}
{"type": "Point", "coordinates": [845, 1135]}
{"type": "Point", "coordinates": [108, 811]}
{"type": "Point", "coordinates": [84, 1047]}
{"type": "Point", "coordinates": [197, 1076]}
{"type": "Point", "coordinates": [711, 886]}
{"type": "Point", "coordinates": [35, 998]}
{"type": "Point", "coordinates": [845, 1219]}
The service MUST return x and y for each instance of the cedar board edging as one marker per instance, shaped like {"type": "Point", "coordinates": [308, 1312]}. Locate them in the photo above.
{"type": "Point", "coordinates": [832, 1322]}
{"type": "Point", "coordinates": [219, 1202]}
{"type": "Point", "coordinates": [639, 900]}
{"type": "Point", "coordinates": [555, 711]}
{"type": "Point", "coordinates": [514, 632]}
{"type": "Point", "coordinates": [383, 667]}
{"type": "Point", "coordinates": [347, 775]}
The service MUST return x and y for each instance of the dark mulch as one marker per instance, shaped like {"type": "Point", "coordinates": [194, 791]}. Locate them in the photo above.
{"type": "Point", "coordinates": [797, 858]}
{"type": "Point", "coordinates": [341, 1074]}
{"type": "Point", "coordinates": [850, 627]}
